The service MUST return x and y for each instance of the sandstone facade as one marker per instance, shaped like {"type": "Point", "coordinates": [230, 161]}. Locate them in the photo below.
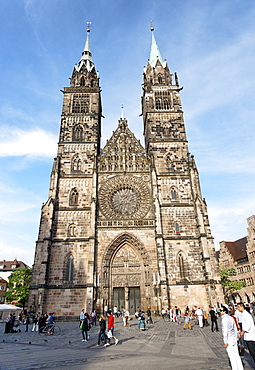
{"type": "Point", "coordinates": [124, 225]}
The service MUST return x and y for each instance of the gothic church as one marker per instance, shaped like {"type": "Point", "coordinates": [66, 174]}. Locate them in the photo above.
{"type": "Point", "coordinates": [125, 225]}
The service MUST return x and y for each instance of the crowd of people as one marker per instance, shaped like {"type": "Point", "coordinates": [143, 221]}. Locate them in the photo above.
{"type": "Point", "coordinates": [12, 323]}
{"type": "Point", "coordinates": [238, 327]}
{"type": "Point", "coordinates": [106, 320]}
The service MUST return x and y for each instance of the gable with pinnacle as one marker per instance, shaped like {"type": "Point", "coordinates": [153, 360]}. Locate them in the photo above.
{"type": "Point", "coordinates": [123, 152]}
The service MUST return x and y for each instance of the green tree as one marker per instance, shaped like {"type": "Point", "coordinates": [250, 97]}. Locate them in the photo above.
{"type": "Point", "coordinates": [19, 286]}
{"type": "Point", "coordinates": [230, 286]}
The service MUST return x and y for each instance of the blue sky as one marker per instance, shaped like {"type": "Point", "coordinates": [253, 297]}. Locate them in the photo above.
{"type": "Point", "coordinates": [211, 44]}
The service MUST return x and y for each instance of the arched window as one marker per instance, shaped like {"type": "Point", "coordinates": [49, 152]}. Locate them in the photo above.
{"type": "Point", "coordinates": [76, 164]}
{"type": "Point", "coordinates": [72, 230]}
{"type": "Point", "coordinates": [173, 194]}
{"type": "Point", "coordinates": [166, 130]}
{"type": "Point", "coordinates": [78, 133]}
{"type": "Point", "coordinates": [160, 79]}
{"type": "Point", "coordinates": [82, 81]}
{"type": "Point", "coordinates": [181, 266]}
{"type": "Point", "coordinates": [74, 197]}
{"type": "Point", "coordinates": [70, 268]}
{"type": "Point", "coordinates": [177, 228]}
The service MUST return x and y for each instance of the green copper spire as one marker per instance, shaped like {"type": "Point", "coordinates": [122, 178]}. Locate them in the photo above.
{"type": "Point", "coordinates": [155, 53]}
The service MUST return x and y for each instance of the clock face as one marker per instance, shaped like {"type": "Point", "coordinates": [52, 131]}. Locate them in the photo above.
{"type": "Point", "coordinates": [124, 197]}
{"type": "Point", "coordinates": [125, 201]}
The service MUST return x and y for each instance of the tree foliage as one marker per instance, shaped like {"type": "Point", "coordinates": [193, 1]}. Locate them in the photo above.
{"type": "Point", "coordinates": [19, 286]}
{"type": "Point", "coordinates": [230, 286]}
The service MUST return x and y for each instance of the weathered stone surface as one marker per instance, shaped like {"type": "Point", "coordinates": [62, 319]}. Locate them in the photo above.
{"type": "Point", "coordinates": [124, 225]}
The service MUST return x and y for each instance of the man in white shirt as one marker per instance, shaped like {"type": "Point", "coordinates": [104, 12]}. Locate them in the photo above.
{"type": "Point", "coordinates": [229, 331]}
{"type": "Point", "coordinates": [248, 329]}
{"type": "Point", "coordinates": [200, 316]}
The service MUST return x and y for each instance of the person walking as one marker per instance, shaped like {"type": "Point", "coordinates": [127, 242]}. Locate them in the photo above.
{"type": "Point", "coordinates": [111, 328]}
{"type": "Point", "coordinates": [229, 332]}
{"type": "Point", "coordinates": [102, 324]}
{"type": "Point", "coordinates": [82, 315]}
{"type": "Point", "coordinates": [94, 318]}
{"type": "Point", "coordinates": [7, 324]}
{"type": "Point", "coordinates": [35, 323]}
{"type": "Point", "coordinates": [27, 322]}
{"type": "Point", "coordinates": [126, 318]}
{"type": "Point", "coordinates": [200, 316]}
{"type": "Point", "coordinates": [149, 318]}
{"type": "Point", "coordinates": [187, 320]}
{"type": "Point", "coordinates": [85, 327]}
{"type": "Point", "coordinates": [248, 329]}
{"type": "Point", "coordinates": [213, 319]}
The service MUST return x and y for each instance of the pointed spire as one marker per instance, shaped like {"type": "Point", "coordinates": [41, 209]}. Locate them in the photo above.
{"type": "Point", "coordinates": [155, 53]}
{"type": "Point", "coordinates": [86, 54]}
{"type": "Point", "coordinates": [122, 112]}
{"type": "Point", "coordinates": [86, 58]}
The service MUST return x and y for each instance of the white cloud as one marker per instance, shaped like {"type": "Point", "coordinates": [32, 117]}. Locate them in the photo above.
{"type": "Point", "coordinates": [21, 253]}
{"type": "Point", "coordinates": [229, 222]}
{"type": "Point", "coordinates": [31, 143]}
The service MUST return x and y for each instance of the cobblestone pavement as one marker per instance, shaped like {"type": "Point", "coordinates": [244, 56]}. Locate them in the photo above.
{"type": "Point", "coordinates": [164, 345]}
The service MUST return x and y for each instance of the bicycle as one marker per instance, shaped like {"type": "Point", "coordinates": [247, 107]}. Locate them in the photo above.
{"type": "Point", "coordinates": [166, 317]}
{"type": "Point", "coordinates": [50, 329]}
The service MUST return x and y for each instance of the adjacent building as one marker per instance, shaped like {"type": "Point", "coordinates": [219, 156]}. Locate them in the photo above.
{"type": "Point", "coordinates": [125, 224]}
{"type": "Point", "coordinates": [240, 255]}
{"type": "Point", "coordinates": [7, 267]}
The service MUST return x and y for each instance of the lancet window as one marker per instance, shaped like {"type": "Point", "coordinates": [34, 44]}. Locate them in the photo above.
{"type": "Point", "coordinates": [70, 268]}
{"type": "Point", "coordinates": [72, 230]}
{"type": "Point", "coordinates": [76, 166]}
{"type": "Point", "coordinates": [78, 133]}
{"type": "Point", "coordinates": [181, 266]}
{"type": "Point", "coordinates": [173, 194]}
{"type": "Point", "coordinates": [82, 81]}
{"type": "Point", "coordinates": [74, 197]}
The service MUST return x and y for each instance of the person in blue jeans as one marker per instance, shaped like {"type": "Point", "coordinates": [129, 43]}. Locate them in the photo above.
{"type": "Point", "coordinates": [102, 324]}
{"type": "Point", "coordinates": [85, 327]}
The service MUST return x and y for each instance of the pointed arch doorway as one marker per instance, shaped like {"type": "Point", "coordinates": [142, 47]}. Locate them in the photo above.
{"type": "Point", "coordinates": [126, 279]}
{"type": "Point", "coordinates": [126, 275]}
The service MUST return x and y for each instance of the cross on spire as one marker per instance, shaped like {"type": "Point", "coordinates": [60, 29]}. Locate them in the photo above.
{"type": "Point", "coordinates": [88, 26]}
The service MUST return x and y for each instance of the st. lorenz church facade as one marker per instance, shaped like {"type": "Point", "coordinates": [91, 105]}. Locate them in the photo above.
{"type": "Point", "coordinates": [125, 225]}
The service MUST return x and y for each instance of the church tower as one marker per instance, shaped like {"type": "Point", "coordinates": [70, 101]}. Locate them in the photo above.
{"type": "Point", "coordinates": [63, 271]}
{"type": "Point", "coordinates": [183, 237]}
{"type": "Point", "coordinates": [124, 225]}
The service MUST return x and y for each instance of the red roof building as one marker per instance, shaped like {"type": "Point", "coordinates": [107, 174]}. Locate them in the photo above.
{"type": "Point", "coordinates": [240, 255]}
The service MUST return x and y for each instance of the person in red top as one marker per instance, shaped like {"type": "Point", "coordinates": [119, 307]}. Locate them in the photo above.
{"type": "Point", "coordinates": [111, 327]}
